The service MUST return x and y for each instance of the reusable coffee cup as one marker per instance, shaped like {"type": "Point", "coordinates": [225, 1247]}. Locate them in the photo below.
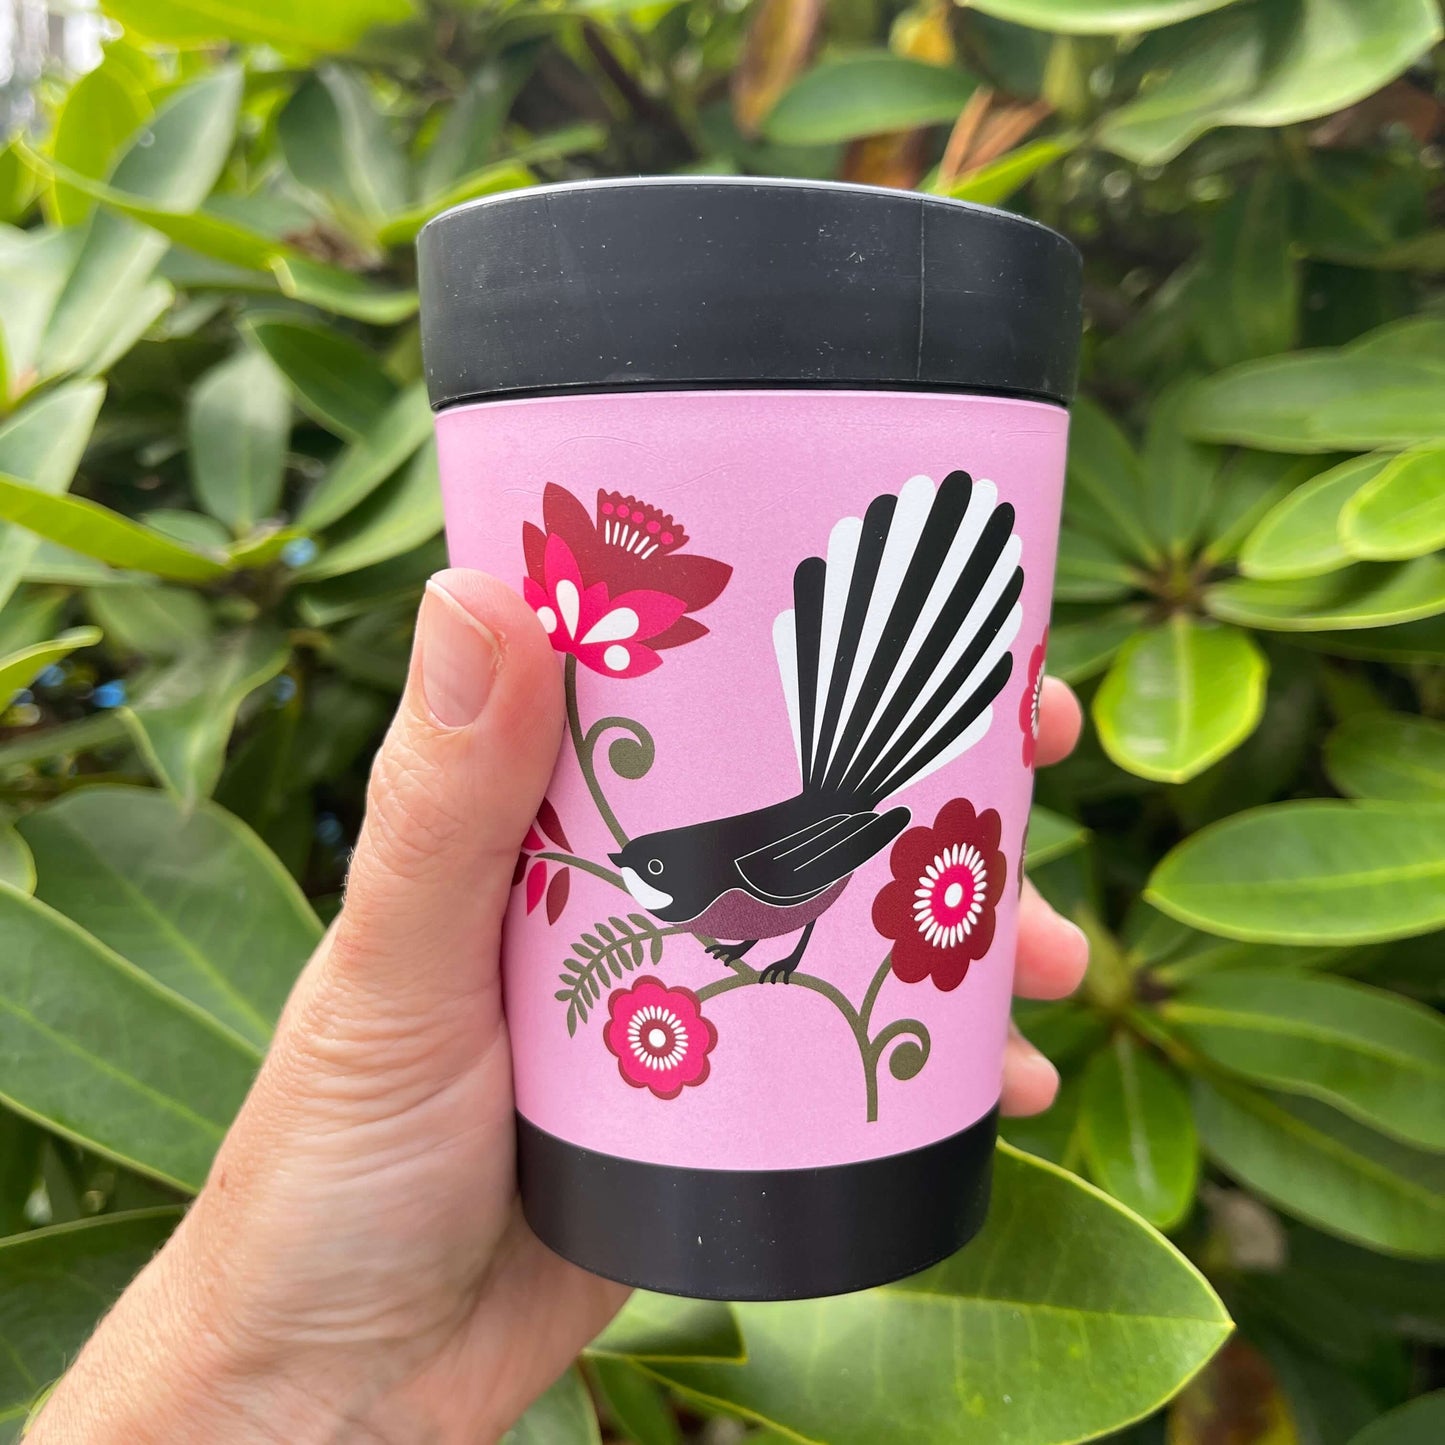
{"type": "Point", "coordinates": [778, 467]}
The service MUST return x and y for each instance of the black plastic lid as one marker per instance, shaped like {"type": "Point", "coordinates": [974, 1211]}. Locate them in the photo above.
{"type": "Point", "coordinates": [689, 281]}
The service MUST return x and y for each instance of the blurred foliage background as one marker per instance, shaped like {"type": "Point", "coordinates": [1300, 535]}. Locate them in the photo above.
{"type": "Point", "coordinates": [218, 503]}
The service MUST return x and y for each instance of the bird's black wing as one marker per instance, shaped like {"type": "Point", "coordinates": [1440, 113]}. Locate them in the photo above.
{"type": "Point", "coordinates": [814, 858]}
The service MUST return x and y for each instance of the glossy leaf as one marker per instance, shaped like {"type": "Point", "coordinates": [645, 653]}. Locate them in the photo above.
{"type": "Point", "coordinates": [1318, 401]}
{"type": "Point", "coordinates": [390, 441]}
{"type": "Point", "coordinates": [1138, 1132]}
{"type": "Point", "coordinates": [1300, 537]}
{"type": "Point", "coordinates": [343, 293]}
{"type": "Point", "coordinates": [397, 517]}
{"type": "Point", "coordinates": [100, 113]}
{"type": "Point", "coordinates": [317, 27]}
{"type": "Point", "coordinates": [34, 267]}
{"type": "Point", "coordinates": [1369, 594]}
{"type": "Point", "coordinates": [994, 183]}
{"type": "Point", "coordinates": [41, 445]}
{"type": "Point", "coordinates": [1080, 649]}
{"type": "Point", "coordinates": [238, 421]}
{"type": "Point", "coordinates": [1417, 1422]}
{"type": "Point", "coordinates": [1248, 487]}
{"type": "Point", "coordinates": [1179, 697]}
{"type": "Point", "coordinates": [1022, 1304]}
{"type": "Point", "coordinates": [1051, 836]}
{"type": "Point", "coordinates": [98, 1051]}
{"type": "Point", "coordinates": [637, 1404]}
{"type": "Point", "coordinates": [666, 1327]}
{"type": "Point", "coordinates": [1089, 571]}
{"type": "Point", "coordinates": [469, 135]}
{"type": "Point", "coordinates": [172, 163]}
{"type": "Point", "coordinates": [1312, 872]}
{"type": "Point", "coordinates": [19, 669]}
{"type": "Point", "coordinates": [107, 536]}
{"type": "Point", "coordinates": [1399, 512]}
{"type": "Point", "coordinates": [1178, 475]}
{"type": "Point", "coordinates": [863, 95]}
{"type": "Point", "coordinates": [55, 1284]}
{"type": "Point", "coordinates": [1324, 1168]}
{"type": "Point", "coordinates": [1370, 1054]}
{"type": "Point", "coordinates": [150, 620]}
{"type": "Point", "coordinates": [1106, 17]}
{"type": "Point", "coordinates": [562, 1416]}
{"type": "Point", "coordinates": [335, 380]}
{"type": "Point", "coordinates": [1106, 485]}
{"type": "Point", "coordinates": [1388, 755]}
{"type": "Point", "coordinates": [189, 894]}
{"type": "Point", "coordinates": [182, 722]}
{"type": "Point", "coordinates": [17, 867]}
{"type": "Point", "coordinates": [401, 228]}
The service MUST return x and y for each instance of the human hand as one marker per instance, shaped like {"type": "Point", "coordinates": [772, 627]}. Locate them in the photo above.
{"type": "Point", "coordinates": [357, 1267]}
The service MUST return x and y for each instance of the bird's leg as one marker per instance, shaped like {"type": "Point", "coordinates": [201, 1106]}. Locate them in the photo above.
{"type": "Point", "coordinates": [731, 953]}
{"type": "Point", "coordinates": [783, 968]}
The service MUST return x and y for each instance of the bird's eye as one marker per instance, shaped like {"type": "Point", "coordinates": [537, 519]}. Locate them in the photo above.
{"type": "Point", "coordinates": [654, 866]}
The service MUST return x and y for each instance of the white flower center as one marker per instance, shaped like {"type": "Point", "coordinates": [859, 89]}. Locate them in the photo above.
{"type": "Point", "coordinates": [941, 891]}
{"type": "Point", "coordinates": [657, 1037]}
{"type": "Point", "coordinates": [953, 895]}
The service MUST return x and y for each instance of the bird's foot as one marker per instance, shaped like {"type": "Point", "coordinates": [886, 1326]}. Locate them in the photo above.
{"type": "Point", "coordinates": [779, 972]}
{"type": "Point", "coordinates": [730, 953]}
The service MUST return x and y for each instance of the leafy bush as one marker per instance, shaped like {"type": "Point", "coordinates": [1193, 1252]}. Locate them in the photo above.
{"type": "Point", "coordinates": [219, 502]}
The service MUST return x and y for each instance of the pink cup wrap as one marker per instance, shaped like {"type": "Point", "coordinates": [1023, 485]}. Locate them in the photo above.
{"type": "Point", "coordinates": [659, 536]}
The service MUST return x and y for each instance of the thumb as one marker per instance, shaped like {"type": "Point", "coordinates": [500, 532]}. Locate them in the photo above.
{"type": "Point", "coordinates": [453, 790]}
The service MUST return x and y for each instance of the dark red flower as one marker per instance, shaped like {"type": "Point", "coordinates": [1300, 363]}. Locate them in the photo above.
{"type": "Point", "coordinates": [941, 905]}
{"type": "Point", "coordinates": [658, 1036]}
{"type": "Point", "coordinates": [1032, 700]}
{"type": "Point", "coordinates": [613, 590]}
{"type": "Point", "coordinates": [534, 871]}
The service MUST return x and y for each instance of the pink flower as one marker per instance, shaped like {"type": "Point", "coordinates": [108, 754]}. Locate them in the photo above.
{"type": "Point", "coordinates": [1032, 700]}
{"type": "Point", "coordinates": [940, 907]}
{"type": "Point", "coordinates": [613, 591]}
{"type": "Point", "coordinates": [658, 1036]}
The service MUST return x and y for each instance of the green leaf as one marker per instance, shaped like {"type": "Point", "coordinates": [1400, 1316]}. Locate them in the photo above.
{"type": "Point", "coordinates": [1409, 642]}
{"type": "Point", "coordinates": [1321, 1167]}
{"type": "Point", "coordinates": [149, 620]}
{"type": "Point", "coordinates": [343, 293]}
{"type": "Point", "coordinates": [1319, 401]}
{"type": "Point", "coordinates": [1179, 697]}
{"type": "Point", "coordinates": [1311, 872]}
{"type": "Point", "coordinates": [34, 267]}
{"type": "Point", "coordinates": [1388, 755]}
{"type": "Point", "coordinates": [1080, 649]}
{"type": "Point", "coordinates": [1096, 17]}
{"type": "Point", "coordinates": [1371, 1054]}
{"type": "Point", "coordinates": [238, 424]}
{"type": "Point", "coordinates": [1265, 65]}
{"type": "Point", "coordinates": [665, 1327]}
{"type": "Point", "coordinates": [636, 1404]}
{"type": "Point", "coordinates": [1400, 512]}
{"type": "Point", "coordinates": [993, 184]}
{"type": "Point", "coordinates": [397, 517]}
{"type": "Point", "coordinates": [317, 27]}
{"type": "Point", "coordinates": [1106, 486]}
{"type": "Point", "coordinates": [55, 1284]}
{"type": "Point", "coordinates": [182, 723]}
{"type": "Point", "coordinates": [95, 1049]}
{"type": "Point", "coordinates": [1138, 1132]}
{"type": "Point", "coordinates": [401, 228]}
{"type": "Point", "coordinates": [17, 867]}
{"type": "Point", "coordinates": [864, 94]}
{"type": "Point", "coordinates": [42, 444]}
{"type": "Point", "coordinates": [391, 440]}
{"type": "Point", "coordinates": [65, 740]}
{"type": "Point", "coordinates": [1053, 1135]}
{"type": "Point", "coordinates": [1051, 836]}
{"type": "Point", "coordinates": [1179, 475]}
{"type": "Point", "coordinates": [1417, 1422]}
{"type": "Point", "coordinates": [99, 114]}
{"type": "Point", "coordinates": [563, 1416]}
{"type": "Point", "coordinates": [189, 894]}
{"type": "Point", "coordinates": [172, 163]}
{"type": "Point", "coordinates": [1089, 571]}
{"type": "Point", "coordinates": [1369, 594]}
{"type": "Point", "coordinates": [98, 532]}
{"type": "Point", "coordinates": [1020, 1305]}
{"type": "Point", "coordinates": [470, 134]}
{"type": "Point", "coordinates": [335, 379]}
{"type": "Point", "coordinates": [1246, 302]}
{"type": "Point", "coordinates": [1300, 536]}
{"type": "Point", "coordinates": [20, 669]}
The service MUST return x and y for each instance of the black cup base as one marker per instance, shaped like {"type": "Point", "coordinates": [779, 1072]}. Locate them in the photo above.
{"type": "Point", "coordinates": [767, 1234]}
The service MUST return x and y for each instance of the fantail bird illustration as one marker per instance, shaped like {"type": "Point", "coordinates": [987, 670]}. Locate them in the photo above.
{"type": "Point", "coordinates": [894, 650]}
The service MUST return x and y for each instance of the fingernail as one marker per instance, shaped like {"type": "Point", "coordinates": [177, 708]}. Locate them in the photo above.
{"type": "Point", "coordinates": [1080, 945]}
{"type": "Point", "coordinates": [458, 659]}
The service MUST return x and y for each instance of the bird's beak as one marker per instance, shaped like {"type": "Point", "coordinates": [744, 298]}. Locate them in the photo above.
{"type": "Point", "coordinates": [616, 858]}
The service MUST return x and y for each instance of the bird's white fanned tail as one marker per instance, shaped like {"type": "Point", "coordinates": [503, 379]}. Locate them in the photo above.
{"type": "Point", "coordinates": [898, 640]}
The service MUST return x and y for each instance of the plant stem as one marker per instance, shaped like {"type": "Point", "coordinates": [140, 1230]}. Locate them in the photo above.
{"type": "Point", "coordinates": [570, 860]}
{"type": "Point", "coordinates": [584, 756]}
